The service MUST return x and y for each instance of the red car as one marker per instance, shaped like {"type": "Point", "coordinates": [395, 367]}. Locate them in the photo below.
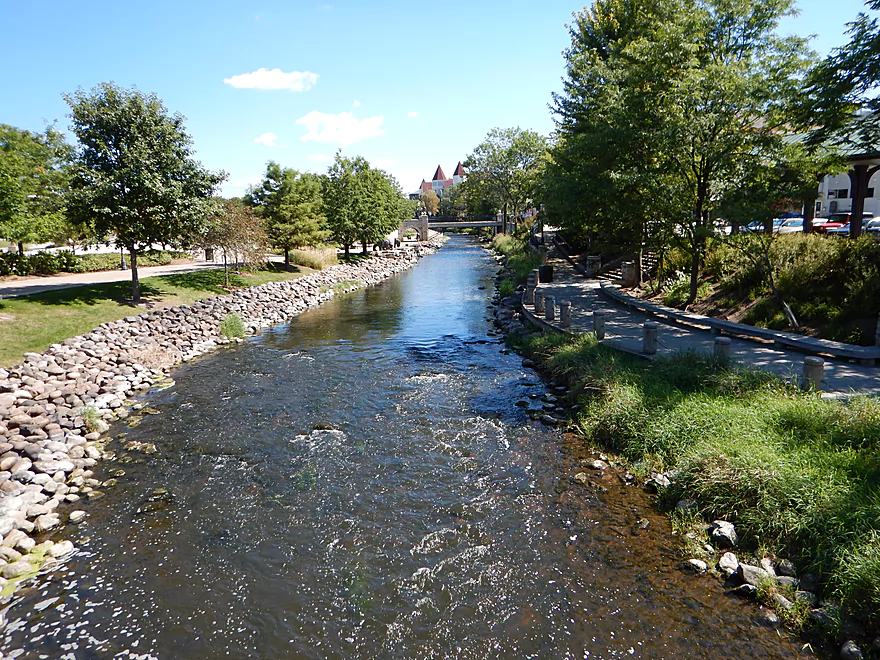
{"type": "Point", "coordinates": [837, 220]}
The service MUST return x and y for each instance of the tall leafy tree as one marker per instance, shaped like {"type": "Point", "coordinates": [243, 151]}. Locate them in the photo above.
{"type": "Point", "coordinates": [845, 83]}
{"type": "Point", "coordinates": [431, 202]}
{"type": "Point", "coordinates": [688, 95]}
{"type": "Point", "coordinates": [33, 178]}
{"type": "Point", "coordinates": [507, 164]}
{"type": "Point", "coordinates": [361, 203]}
{"type": "Point", "coordinates": [135, 180]}
{"type": "Point", "coordinates": [291, 205]}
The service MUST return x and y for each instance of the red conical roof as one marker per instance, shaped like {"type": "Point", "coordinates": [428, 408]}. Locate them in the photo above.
{"type": "Point", "coordinates": [459, 170]}
{"type": "Point", "coordinates": [438, 175]}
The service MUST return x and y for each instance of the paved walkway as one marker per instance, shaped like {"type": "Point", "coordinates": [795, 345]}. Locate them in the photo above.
{"type": "Point", "coordinates": [623, 329]}
{"type": "Point", "coordinates": [11, 287]}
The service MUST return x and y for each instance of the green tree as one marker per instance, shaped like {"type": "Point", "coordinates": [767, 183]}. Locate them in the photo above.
{"type": "Point", "coordinates": [135, 180]}
{"type": "Point", "coordinates": [430, 202]}
{"type": "Point", "coordinates": [506, 165]}
{"type": "Point", "coordinates": [691, 95]}
{"type": "Point", "coordinates": [845, 83]}
{"type": "Point", "coordinates": [362, 204]}
{"type": "Point", "coordinates": [33, 178]}
{"type": "Point", "coordinates": [292, 207]}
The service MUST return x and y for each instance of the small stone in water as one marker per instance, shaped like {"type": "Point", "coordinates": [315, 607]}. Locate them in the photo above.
{"type": "Point", "coordinates": [76, 516]}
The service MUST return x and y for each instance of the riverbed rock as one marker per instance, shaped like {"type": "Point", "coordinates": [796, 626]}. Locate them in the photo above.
{"type": "Point", "coordinates": [752, 575]}
{"type": "Point", "coordinates": [767, 564]}
{"type": "Point", "coordinates": [724, 535]}
{"type": "Point", "coordinates": [697, 566]}
{"type": "Point", "coordinates": [61, 549]}
{"type": "Point", "coordinates": [785, 567]}
{"type": "Point", "coordinates": [728, 564]}
{"type": "Point", "coordinates": [76, 516]}
{"type": "Point", "coordinates": [850, 651]}
{"type": "Point", "coordinates": [17, 569]}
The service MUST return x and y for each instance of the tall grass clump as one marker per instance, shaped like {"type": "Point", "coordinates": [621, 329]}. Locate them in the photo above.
{"type": "Point", "coordinates": [232, 326]}
{"type": "Point", "coordinates": [798, 475]}
{"type": "Point", "coordinates": [522, 258]}
{"type": "Point", "coordinates": [314, 258]}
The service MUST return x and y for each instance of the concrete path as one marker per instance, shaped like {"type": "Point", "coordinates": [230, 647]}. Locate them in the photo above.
{"type": "Point", "coordinates": [11, 287]}
{"type": "Point", "coordinates": [624, 330]}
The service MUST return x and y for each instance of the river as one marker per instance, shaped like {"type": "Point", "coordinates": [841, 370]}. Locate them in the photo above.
{"type": "Point", "coordinates": [360, 484]}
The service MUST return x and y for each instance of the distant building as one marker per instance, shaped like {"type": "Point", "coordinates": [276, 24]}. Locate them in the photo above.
{"type": "Point", "coordinates": [439, 182]}
{"type": "Point", "coordinates": [835, 195]}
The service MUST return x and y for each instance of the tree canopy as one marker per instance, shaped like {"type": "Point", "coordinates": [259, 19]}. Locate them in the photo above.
{"type": "Point", "coordinates": [505, 167]}
{"type": "Point", "coordinates": [667, 108]}
{"type": "Point", "coordinates": [362, 204]}
{"type": "Point", "coordinates": [134, 179]}
{"type": "Point", "coordinates": [33, 177]}
{"type": "Point", "coordinates": [291, 205]}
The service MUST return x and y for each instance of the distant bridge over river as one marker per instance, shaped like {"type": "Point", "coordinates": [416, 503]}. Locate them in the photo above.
{"type": "Point", "coordinates": [423, 224]}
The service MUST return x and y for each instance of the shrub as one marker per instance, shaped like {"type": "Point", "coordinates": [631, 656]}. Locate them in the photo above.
{"type": "Point", "coordinates": [232, 326]}
{"type": "Point", "coordinates": [506, 287]}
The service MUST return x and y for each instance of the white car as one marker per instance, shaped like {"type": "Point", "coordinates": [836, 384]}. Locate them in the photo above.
{"type": "Point", "coordinates": [790, 226]}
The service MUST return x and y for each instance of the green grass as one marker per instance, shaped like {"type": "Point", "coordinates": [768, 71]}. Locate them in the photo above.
{"type": "Point", "coordinates": [798, 475]}
{"type": "Point", "coordinates": [33, 323]}
{"type": "Point", "coordinates": [521, 259]}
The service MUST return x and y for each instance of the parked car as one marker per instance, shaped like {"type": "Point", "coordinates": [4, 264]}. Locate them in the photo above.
{"type": "Point", "coordinates": [872, 229]}
{"type": "Point", "coordinates": [843, 230]}
{"type": "Point", "coordinates": [758, 225]}
{"type": "Point", "coordinates": [790, 226]}
{"type": "Point", "coordinates": [837, 221]}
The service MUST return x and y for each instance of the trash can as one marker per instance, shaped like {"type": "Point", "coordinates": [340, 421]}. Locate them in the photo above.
{"type": "Point", "coordinates": [545, 273]}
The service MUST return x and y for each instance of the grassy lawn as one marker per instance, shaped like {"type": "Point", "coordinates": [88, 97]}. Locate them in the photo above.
{"type": "Point", "coordinates": [32, 323]}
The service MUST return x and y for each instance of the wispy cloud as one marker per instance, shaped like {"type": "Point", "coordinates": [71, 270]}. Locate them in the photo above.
{"type": "Point", "coordinates": [412, 114]}
{"type": "Point", "coordinates": [295, 81]}
{"type": "Point", "coordinates": [342, 129]}
{"type": "Point", "coordinates": [357, 104]}
{"type": "Point", "coordinates": [267, 139]}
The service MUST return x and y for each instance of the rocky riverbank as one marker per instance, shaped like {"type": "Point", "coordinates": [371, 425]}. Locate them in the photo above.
{"type": "Point", "coordinates": [56, 406]}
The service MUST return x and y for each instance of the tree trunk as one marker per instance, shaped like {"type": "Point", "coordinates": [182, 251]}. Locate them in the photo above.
{"type": "Point", "coordinates": [697, 247]}
{"type": "Point", "coordinates": [347, 256]}
{"type": "Point", "coordinates": [225, 270]}
{"type": "Point", "coordinates": [364, 244]}
{"type": "Point", "coordinates": [286, 258]}
{"type": "Point", "coordinates": [789, 313]}
{"type": "Point", "coordinates": [21, 248]}
{"type": "Point", "coordinates": [809, 214]}
{"type": "Point", "coordinates": [135, 282]}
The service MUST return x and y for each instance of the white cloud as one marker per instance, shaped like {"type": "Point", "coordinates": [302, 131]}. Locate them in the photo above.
{"type": "Point", "coordinates": [295, 81]}
{"type": "Point", "coordinates": [267, 139]}
{"type": "Point", "coordinates": [357, 104]}
{"type": "Point", "coordinates": [412, 114]}
{"type": "Point", "coordinates": [320, 158]}
{"type": "Point", "coordinates": [342, 129]}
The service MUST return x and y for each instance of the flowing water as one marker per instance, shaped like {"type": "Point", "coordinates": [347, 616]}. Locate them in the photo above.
{"type": "Point", "coordinates": [361, 484]}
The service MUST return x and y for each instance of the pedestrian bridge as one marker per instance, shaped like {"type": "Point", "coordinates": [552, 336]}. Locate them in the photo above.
{"type": "Point", "coordinates": [422, 224]}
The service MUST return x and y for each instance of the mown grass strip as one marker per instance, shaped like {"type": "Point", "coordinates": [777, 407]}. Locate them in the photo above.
{"type": "Point", "coordinates": [33, 323]}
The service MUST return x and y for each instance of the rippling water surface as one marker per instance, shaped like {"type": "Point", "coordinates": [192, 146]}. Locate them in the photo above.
{"type": "Point", "coordinates": [360, 484]}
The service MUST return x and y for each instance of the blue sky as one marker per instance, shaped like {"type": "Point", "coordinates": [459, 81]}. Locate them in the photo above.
{"type": "Point", "coordinates": [407, 85]}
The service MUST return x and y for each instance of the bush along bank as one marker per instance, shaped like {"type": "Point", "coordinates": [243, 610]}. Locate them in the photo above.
{"type": "Point", "coordinates": [773, 491]}
{"type": "Point", "coordinates": [56, 407]}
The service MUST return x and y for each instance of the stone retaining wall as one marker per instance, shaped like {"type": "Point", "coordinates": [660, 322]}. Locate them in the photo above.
{"type": "Point", "coordinates": [55, 406]}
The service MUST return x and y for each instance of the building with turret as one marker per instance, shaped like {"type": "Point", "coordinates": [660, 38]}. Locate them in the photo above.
{"type": "Point", "coordinates": [439, 182]}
